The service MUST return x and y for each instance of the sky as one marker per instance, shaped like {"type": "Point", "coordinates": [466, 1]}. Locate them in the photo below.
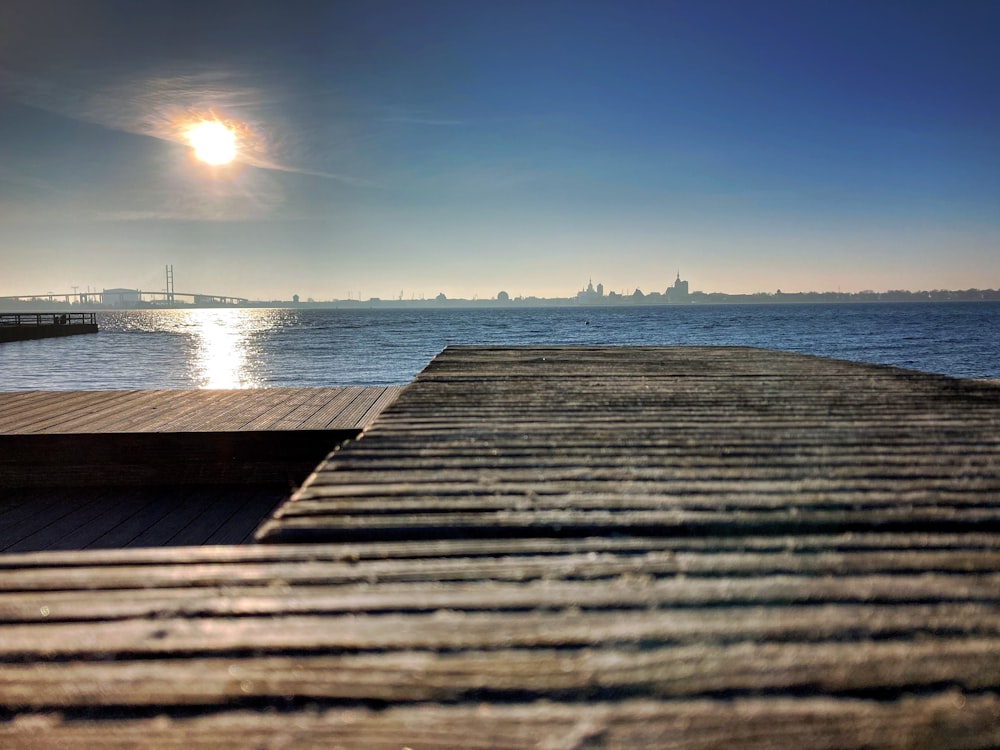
{"type": "Point", "coordinates": [405, 149]}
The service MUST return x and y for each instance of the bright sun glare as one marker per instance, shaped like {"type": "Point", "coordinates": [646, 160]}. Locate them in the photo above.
{"type": "Point", "coordinates": [212, 141]}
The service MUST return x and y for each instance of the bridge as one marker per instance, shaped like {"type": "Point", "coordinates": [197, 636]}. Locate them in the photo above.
{"type": "Point", "coordinates": [126, 298]}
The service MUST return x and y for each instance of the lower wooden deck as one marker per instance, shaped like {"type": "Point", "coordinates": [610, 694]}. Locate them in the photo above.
{"type": "Point", "coordinates": [188, 411]}
{"type": "Point", "coordinates": [97, 469]}
{"type": "Point", "coordinates": [112, 517]}
{"type": "Point", "coordinates": [563, 548]}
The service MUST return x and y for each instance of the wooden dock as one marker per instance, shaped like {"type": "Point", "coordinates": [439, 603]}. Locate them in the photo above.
{"type": "Point", "coordinates": [186, 411]}
{"type": "Point", "coordinates": [28, 326]}
{"type": "Point", "coordinates": [73, 438]}
{"type": "Point", "coordinates": [97, 469]}
{"type": "Point", "coordinates": [563, 548]}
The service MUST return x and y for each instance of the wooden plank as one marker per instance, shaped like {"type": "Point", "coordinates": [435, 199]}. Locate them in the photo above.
{"type": "Point", "coordinates": [117, 505]}
{"type": "Point", "coordinates": [303, 409]}
{"type": "Point", "coordinates": [364, 409]}
{"type": "Point", "coordinates": [314, 567]}
{"type": "Point", "coordinates": [657, 441]}
{"type": "Point", "coordinates": [129, 527]}
{"type": "Point", "coordinates": [678, 672]}
{"type": "Point", "coordinates": [29, 517]}
{"type": "Point", "coordinates": [56, 408]}
{"type": "Point", "coordinates": [280, 411]}
{"type": "Point", "coordinates": [877, 551]}
{"type": "Point", "coordinates": [212, 406]}
{"type": "Point", "coordinates": [148, 414]}
{"type": "Point", "coordinates": [941, 719]}
{"type": "Point", "coordinates": [154, 458]}
{"type": "Point", "coordinates": [257, 403]}
{"type": "Point", "coordinates": [81, 518]}
{"type": "Point", "coordinates": [214, 513]}
{"type": "Point", "coordinates": [357, 409]}
{"type": "Point", "coordinates": [590, 488]}
{"type": "Point", "coordinates": [240, 527]}
{"type": "Point", "coordinates": [187, 415]}
{"type": "Point", "coordinates": [16, 504]}
{"type": "Point", "coordinates": [641, 548]}
{"type": "Point", "coordinates": [182, 510]}
{"type": "Point", "coordinates": [179, 411]}
{"type": "Point", "coordinates": [52, 528]}
{"type": "Point", "coordinates": [98, 405]}
{"type": "Point", "coordinates": [109, 414]}
{"type": "Point", "coordinates": [18, 403]}
{"type": "Point", "coordinates": [450, 630]}
{"type": "Point", "coordinates": [729, 454]}
{"type": "Point", "coordinates": [330, 412]}
{"type": "Point", "coordinates": [27, 405]}
{"type": "Point", "coordinates": [289, 527]}
{"type": "Point", "coordinates": [622, 594]}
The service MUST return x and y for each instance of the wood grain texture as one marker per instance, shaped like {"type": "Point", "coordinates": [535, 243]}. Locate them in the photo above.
{"type": "Point", "coordinates": [947, 719]}
{"type": "Point", "coordinates": [70, 518]}
{"type": "Point", "coordinates": [580, 441]}
{"type": "Point", "coordinates": [99, 438]}
{"type": "Point", "coordinates": [173, 411]}
{"type": "Point", "coordinates": [559, 548]}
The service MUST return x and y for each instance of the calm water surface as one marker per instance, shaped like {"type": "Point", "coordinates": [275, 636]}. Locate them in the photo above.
{"type": "Point", "coordinates": [250, 348]}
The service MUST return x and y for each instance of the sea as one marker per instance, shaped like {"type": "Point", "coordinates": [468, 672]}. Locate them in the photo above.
{"type": "Point", "coordinates": [261, 348]}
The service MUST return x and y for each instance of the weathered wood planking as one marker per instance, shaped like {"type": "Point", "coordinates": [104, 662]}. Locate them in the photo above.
{"type": "Point", "coordinates": [645, 548]}
{"type": "Point", "coordinates": [162, 467]}
{"type": "Point", "coordinates": [938, 721]}
{"type": "Point", "coordinates": [92, 412]}
{"type": "Point", "coordinates": [134, 438]}
{"type": "Point", "coordinates": [626, 642]}
{"type": "Point", "coordinates": [579, 441]}
{"type": "Point", "coordinates": [153, 459]}
{"type": "Point", "coordinates": [72, 519]}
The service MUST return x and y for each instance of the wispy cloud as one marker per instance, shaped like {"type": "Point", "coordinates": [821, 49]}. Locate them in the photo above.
{"type": "Point", "coordinates": [164, 106]}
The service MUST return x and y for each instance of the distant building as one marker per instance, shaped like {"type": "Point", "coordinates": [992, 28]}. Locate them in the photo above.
{"type": "Point", "coordinates": [590, 295]}
{"type": "Point", "coordinates": [120, 297]}
{"type": "Point", "coordinates": [503, 297]}
{"type": "Point", "coordinates": [679, 291]}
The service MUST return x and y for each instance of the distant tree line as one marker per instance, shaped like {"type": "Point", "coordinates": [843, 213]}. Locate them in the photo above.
{"type": "Point", "coordinates": [893, 295]}
{"type": "Point", "coordinates": [677, 294]}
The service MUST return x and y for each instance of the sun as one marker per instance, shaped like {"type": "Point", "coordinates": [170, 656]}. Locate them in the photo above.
{"type": "Point", "coordinates": [212, 141]}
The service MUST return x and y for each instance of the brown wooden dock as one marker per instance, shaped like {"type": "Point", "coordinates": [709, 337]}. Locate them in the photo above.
{"type": "Point", "coordinates": [28, 326]}
{"type": "Point", "coordinates": [185, 411]}
{"type": "Point", "coordinates": [564, 548]}
{"type": "Point", "coordinates": [89, 469]}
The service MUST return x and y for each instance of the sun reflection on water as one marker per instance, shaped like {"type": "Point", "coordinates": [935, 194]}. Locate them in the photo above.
{"type": "Point", "coordinates": [223, 355]}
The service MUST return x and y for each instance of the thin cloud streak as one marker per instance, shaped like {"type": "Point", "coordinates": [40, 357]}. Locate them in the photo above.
{"type": "Point", "coordinates": [163, 107]}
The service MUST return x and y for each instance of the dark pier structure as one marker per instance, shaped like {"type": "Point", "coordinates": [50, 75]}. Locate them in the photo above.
{"type": "Point", "coordinates": [99, 469]}
{"type": "Point", "coordinates": [26, 326]}
{"type": "Point", "coordinates": [562, 548]}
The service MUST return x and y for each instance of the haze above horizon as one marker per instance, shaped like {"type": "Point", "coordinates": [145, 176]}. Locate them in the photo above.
{"type": "Point", "coordinates": [464, 148]}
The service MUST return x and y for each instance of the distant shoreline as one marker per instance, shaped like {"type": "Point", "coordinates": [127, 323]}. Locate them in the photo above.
{"type": "Point", "coordinates": [611, 300]}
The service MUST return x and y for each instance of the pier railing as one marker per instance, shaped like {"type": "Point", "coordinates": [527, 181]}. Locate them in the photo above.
{"type": "Point", "coordinates": [48, 319]}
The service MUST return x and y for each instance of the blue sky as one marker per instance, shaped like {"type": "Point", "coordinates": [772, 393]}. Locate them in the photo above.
{"type": "Point", "coordinates": [468, 147]}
